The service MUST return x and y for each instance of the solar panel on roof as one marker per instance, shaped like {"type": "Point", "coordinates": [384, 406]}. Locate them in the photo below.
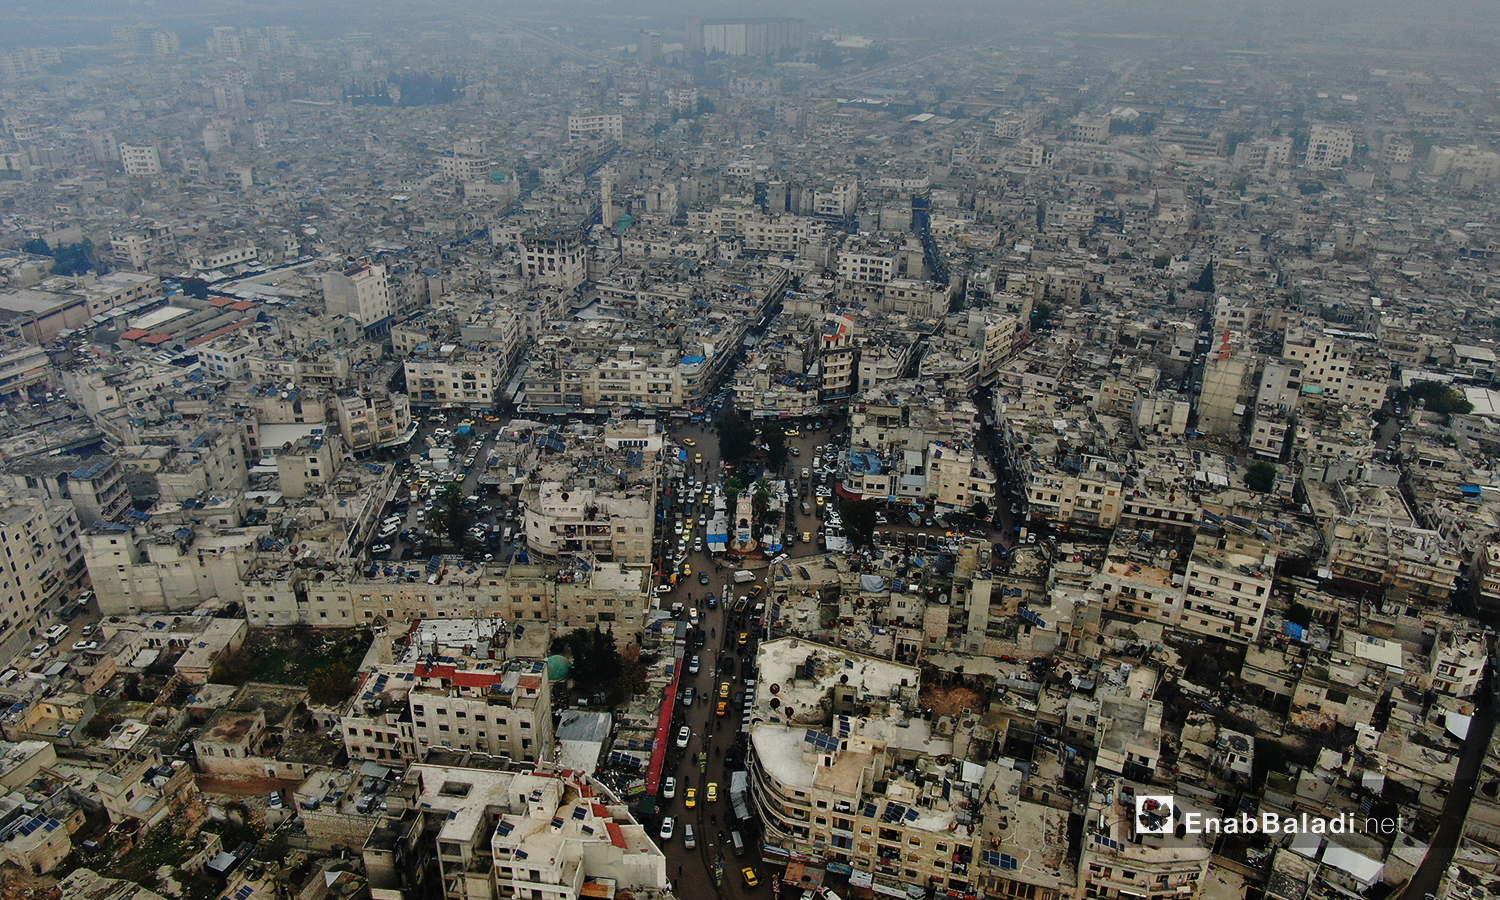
{"type": "Point", "coordinates": [868, 811]}
{"type": "Point", "coordinates": [911, 815]}
{"type": "Point", "coordinates": [1009, 862]}
{"type": "Point", "coordinates": [243, 892]}
{"type": "Point", "coordinates": [991, 857]}
{"type": "Point", "coordinates": [579, 812]}
{"type": "Point", "coordinates": [505, 828]}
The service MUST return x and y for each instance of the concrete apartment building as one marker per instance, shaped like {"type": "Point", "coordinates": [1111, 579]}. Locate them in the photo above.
{"type": "Point", "coordinates": [140, 159]}
{"type": "Point", "coordinates": [554, 256]}
{"type": "Point", "coordinates": [1227, 587]}
{"type": "Point", "coordinates": [480, 833]}
{"type": "Point", "coordinates": [611, 597]}
{"type": "Point", "coordinates": [1329, 146]}
{"type": "Point", "coordinates": [1337, 369]}
{"type": "Point", "coordinates": [140, 570]}
{"type": "Point", "coordinates": [1121, 859]}
{"type": "Point", "coordinates": [610, 126]}
{"type": "Point", "coordinates": [370, 421]}
{"type": "Point", "coordinates": [23, 368]}
{"type": "Point", "coordinates": [361, 292]}
{"type": "Point", "coordinates": [745, 37]}
{"type": "Point", "coordinates": [37, 573]}
{"type": "Point", "coordinates": [455, 375]}
{"type": "Point", "coordinates": [832, 777]}
{"type": "Point", "coordinates": [563, 519]}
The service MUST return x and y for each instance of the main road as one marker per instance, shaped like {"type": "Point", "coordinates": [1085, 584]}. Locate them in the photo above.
{"type": "Point", "coordinates": [692, 870]}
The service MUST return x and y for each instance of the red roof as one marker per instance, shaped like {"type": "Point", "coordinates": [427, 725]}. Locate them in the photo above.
{"type": "Point", "coordinates": [220, 332]}
{"type": "Point", "coordinates": [452, 675]}
{"type": "Point", "coordinates": [157, 338]}
{"type": "Point", "coordinates": [616, 836]}
{"type": "Point", "coordinates": [243, 305]}
{"type": "Point", "coordinates": [475, 679]}
{"type": "Point", "coordinates": [601, 810]}
{"type": "Point", "coordinates": [426, 670]}
{"type": "Point", "coordinates": [221, 301]}
{"type": "Point", "coordinates": [134, 334]}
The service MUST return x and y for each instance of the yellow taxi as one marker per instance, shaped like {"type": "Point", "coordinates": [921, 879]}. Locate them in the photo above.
{"type": "Point", "coordinates": [723, 690]}
{"type": "Point", "coordinates": [692, 798]}
{"type": "Point", "coordinates": [713, 792]}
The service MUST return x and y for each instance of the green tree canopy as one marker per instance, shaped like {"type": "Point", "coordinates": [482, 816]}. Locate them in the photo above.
{"type": "Point", "coordinates": [1260, 477]}
{"type": "Point", "coordinates": [596, 663]}
{"type": "Point", "coordinates": [1440, 398]}
{"type": "Point", "coordinates": [1205, 282]}
{"type": "Point", "coordinates": [76, 259]}
{"type": "Point", "coordinates": [859, 520]}
{"type": "Point", "coordinates": [37, 246]}
{"type": "Point", "coordinates": [776, 449]}
{"type": "Point", "coordinates": [449, 517]}
{"type": "Point", "coordinates": [196, 288]}
{"type": "Point", "coordinates": [736, 437]}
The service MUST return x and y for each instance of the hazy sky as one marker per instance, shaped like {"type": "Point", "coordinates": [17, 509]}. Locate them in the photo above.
{"type": "Point", "coordinates": [1387, 22]}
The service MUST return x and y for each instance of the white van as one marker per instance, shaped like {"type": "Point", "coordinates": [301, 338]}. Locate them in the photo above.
{"type": "Point", "coordinates": [743, 576]}
{"type": "Point", "coordinates": [55, 634]}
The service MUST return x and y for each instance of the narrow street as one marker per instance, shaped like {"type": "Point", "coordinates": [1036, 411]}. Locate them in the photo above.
{"type": "Point", "coordinates": [1456, 806]}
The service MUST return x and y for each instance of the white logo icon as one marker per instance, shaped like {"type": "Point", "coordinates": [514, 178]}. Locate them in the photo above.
{"type": "Point", "coordinates": [1153, 815]}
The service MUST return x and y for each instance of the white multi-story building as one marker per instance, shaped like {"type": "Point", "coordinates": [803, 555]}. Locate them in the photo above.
{"type": "Point", "coordinates": [838, 201]}
{"type": "Point", "coordinates": [1332, 368]}
{"type": "Point", "coordinates": [369, 421]}
{"type": "Point", "coordinates": [563, 520]}
{"type": "Point", "coordinates": [486, 833]}
{"type": "Point", "coordinates": [608, 126]}
{"type": "Point", "coordinates": [875, 265]}
{"type": "Point", "coordinates": [1120, 859]}
{"type": "Point", "coordinates": [140, 159]}
{"type": "Point", "coordinates": [360, 292]}
{"type": "Point", "coordinates": [454, 375]}
{"type": "Point", "coordinates": [554, 256]}
{"type": "Point", "coordinates": [1228, 585]}
{"type": "Point", "coordinates": [1329, 146]}
{"type": "Point", "coordinates": [36, 574]}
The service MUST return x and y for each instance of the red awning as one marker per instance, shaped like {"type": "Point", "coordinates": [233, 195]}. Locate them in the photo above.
{"type": "Point", "coordinates": [663, 732]}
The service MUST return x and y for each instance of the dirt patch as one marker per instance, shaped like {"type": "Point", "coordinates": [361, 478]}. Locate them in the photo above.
{"type": "Point", "coordinates": [241, 787]}
{"type": "Point", "coordinates": [951, 701]}
{"type": "Point", "coordinates": [18, 885]}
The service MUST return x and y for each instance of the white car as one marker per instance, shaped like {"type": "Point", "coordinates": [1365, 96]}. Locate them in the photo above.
{"type": "Point", "coordinates": [40, 650]}
{"type": "Point", "coordinates": [693, 665]}
{"type": "Point", "coordinates": [693, 615]}
{"type": "Point", "coordinates": [664, 589]}
{"type": "Point", "coordinates": [684, 734]}
{"type": "Point", "coordinates": [85, 645]}
{"type": "Point", "coordinates": [669, 787]}
{"type": "Point", "coordinates": [377, 549]}
{"type": "Point", "coordinates": [667, 827]}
